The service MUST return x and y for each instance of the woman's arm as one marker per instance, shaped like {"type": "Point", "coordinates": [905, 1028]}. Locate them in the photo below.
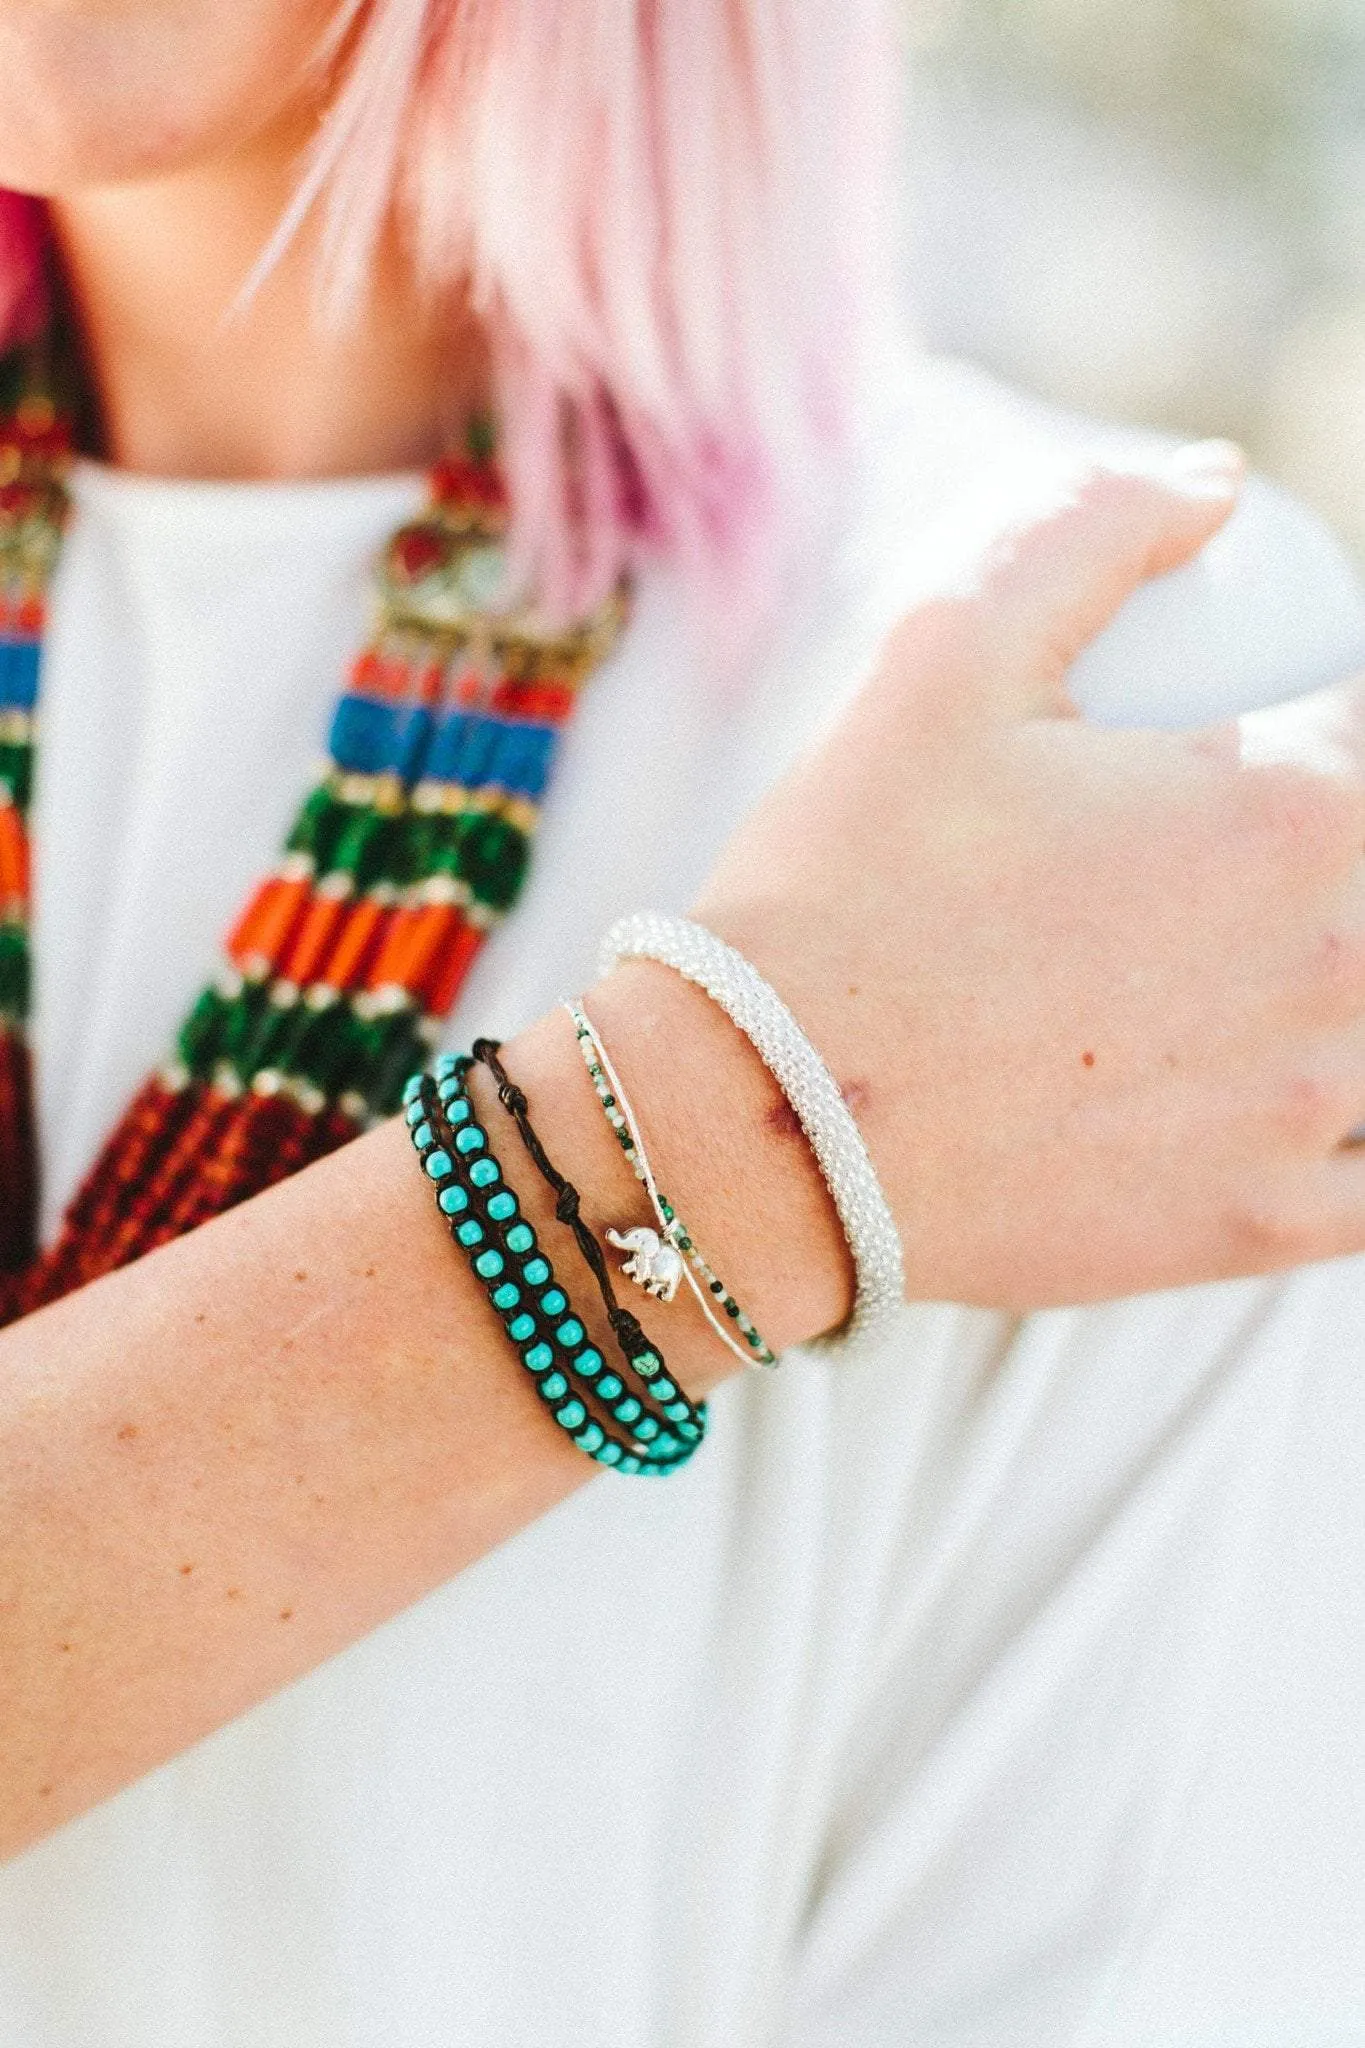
{"type": "Point", "coordinates": [1095, 997]}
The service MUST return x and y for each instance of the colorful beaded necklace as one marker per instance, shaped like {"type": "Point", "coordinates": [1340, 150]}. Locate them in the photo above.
{"type": "Point", "coordinates": [346, 959]}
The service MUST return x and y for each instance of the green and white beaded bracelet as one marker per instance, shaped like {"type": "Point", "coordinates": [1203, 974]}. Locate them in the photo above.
{"type": "Point", "coordinates": [659, 1276]}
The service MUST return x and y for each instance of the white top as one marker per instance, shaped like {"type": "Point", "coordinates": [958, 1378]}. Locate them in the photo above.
{"type": "Point", "coordinates": [1002, 1686]}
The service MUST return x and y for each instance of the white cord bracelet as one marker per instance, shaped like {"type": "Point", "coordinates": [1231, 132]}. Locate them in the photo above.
{"type": "Point", "coordinates": [760, 1013]}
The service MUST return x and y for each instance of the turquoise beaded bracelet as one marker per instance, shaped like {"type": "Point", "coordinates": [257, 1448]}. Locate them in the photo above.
{"type": "Point", "coordinates": [570, 1375]}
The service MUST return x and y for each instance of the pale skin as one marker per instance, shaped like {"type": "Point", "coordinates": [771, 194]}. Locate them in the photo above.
{"type": "Point", "coordinates": [1095, 996]}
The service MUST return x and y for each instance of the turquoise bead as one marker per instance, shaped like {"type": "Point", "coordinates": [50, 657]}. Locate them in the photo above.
{"type": "Point", "coordinates": [438, 1164]}
{"type": "Point", "coordinates": [415, 1111]}
{"type": "Point", "coordinates": [592, 1438]}
{"type": "Point", "coordinates": [412, 1088]}
{"type": "Point", "coordinates": [470, 1139]}
{"type": "Point", "coordinates": [609, 1387]}
{"type": "Point", "coordinates": [689, 1430]}
{"type": "Point", "coordinates": [536, 1271]}
{"type": "Point", "coordinates": [521, 1327]}
{"type": "Point", "coordinates": [588, 1363]}
{"type": "Point", "coordinates": [610, 1454]}
{"type": "Point", "coordinates": [647, 1364]}
{"type": "Point", "coordinates": [628, 1410]}
{"type": "Point", "coordinates": [553, 1385]}
{"type": "Point", "coordinates": [571, 1414]}
{"type": "Point", "coordinates": [489, 1264]}
{"type": "Point", "coordinates": [446, 1065]}
{"type": "Point", "coordinates": [570, 1333]}
{"type": "Point", "coordinates": [665, 1389]}
{"type": "Point", "coordinates": [484, 1172]}
{"type": "Point", "coordinates": [423, 1135]}
{"type": "Point", "coordinates": [507, 1296]}
{"type": "Point", "coordinates": [470, 1232]}
{"type": "Point", "coordinates": [537, 1358]}
{"type": "Point", "coordinates": [502, 1205]}
{"type": "Point", "coordinates": [458, 1108]}
{"type": "Point", "coordinates": [678, 1411]}
{"type": "Point", "coordinates": [554, 1302]}
{"type": "Point", "coordinates": [521, 1238]}
{"type": "Point", "coordinates": [452, 1201]}
{"type": "Point", "coordinates": [646, 1429]}
{"type": "Point", "coordinates": [628, 1464]}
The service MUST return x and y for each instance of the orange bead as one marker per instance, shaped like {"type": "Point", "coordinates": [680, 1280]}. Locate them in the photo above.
{"type": "Point", "coordinates": [13, 858]}
{"type": "Point", "coordinates": [411, 951]}
{"type": "Point", "coordinates": [356, 943]}
{"type": "Point", "coordinates": [303, 960]}
{"type": "Point", "coordinates": [263, 930]}
{"type": "Point", "coordinates": [448, 971]}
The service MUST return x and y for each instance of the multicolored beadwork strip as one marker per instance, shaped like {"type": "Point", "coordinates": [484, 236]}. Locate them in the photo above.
{"type": "Point", "coordinates": [345, 961]}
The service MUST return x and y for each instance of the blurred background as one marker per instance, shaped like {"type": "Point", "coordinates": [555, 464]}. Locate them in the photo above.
{"type": "Point", "coordinates": [1155, 210]}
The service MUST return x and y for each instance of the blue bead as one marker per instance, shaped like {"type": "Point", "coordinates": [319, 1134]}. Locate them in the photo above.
{"type": "Point", "coordinates": [572, 1414]}
{"type": "Point", "coordinates": [536, 1271]}
{"type": "Point", "coordinates": [553, 1385]}
{"type": "Point", "coordinates": [570, 1333]}
{"type": "Point", "coordinates": [470, 1139]}
{"type": "Point", "coordinates": [520, 1238]}
{"type": "Point", "coordinates": [484, 1172]}
{"type": "Point", "coordinates": [588, 1363]}
{"type": "Point", "coordinates": [502, 1205]}
{"type": "Point", "coordinates": [507, 1296]}
{"type": "Point", "coordinates": [592, 1438]}
{"type": "Point", "coordinates": [489, 1264]}
{"type": "Point", "coordinates": [610, 1454]}
{"type": "Point", "coordinates": [537, 1358]}
{"type": "Point", "coordinates": [470, 1232]}
{"type": "Point", "coordinates": [438, 1165]}
{"type": "Point", "coordinates": [554, 1301]}
{"type": "Point", "coordinates": [18, 674]}
{"type": "Point", "coordinates": [609, 1386]}
{"type": "Point", "coordinates": [452, 1201]}
{"type": "Point", "coordinates": [628, 1410]}
{"type": "Point", "coordinates": [521, 1327]}
{"type": "Point", "coordinates": [422, 1133]}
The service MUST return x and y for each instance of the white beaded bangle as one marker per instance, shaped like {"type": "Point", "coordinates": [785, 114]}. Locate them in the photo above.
{"type": "Point", "coordinates": [760, 1013]}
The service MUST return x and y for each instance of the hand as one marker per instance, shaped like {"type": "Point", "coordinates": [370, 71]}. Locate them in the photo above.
{"type": "Point", "coordinates": [1097, 998]}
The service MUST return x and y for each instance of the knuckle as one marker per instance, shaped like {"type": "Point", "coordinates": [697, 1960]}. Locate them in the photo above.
{"type": "Point", "coordinates": [1311, 818]}
{"type": "Point", "coordinates": [1313, 1112]}
{"type": "Point", "coordinates": [1266, 1232]}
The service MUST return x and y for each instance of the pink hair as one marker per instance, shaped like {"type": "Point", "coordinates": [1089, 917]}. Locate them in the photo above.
{"type": "Point", "coordinates": [670, 216]}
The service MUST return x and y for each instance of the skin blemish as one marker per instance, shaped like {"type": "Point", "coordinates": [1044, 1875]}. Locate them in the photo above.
{"type": "Point", "coordinates": [286, 1614]}
{"type": "Point", "coordinates": [65, 1649]}
{"type": "Point", "coordinates": [44, 1791]}
{"type": "Point", "coordinates": [233, 1593]}
{"type": "Point", "coordinates": [300, 1274]}
{"type": "Point", "coordinates": [185, 1570]}
{"type": "Point", "coordinates": [857, 1095]}
{"type": "Point", "coordinates": [1087, 1059]}
{"type": "Point", "coordinates": [128, 1430]}
{"type": "Point", "coordinates": [783, 1121]}
{"type": "Point", "coordinates": [202, 1316]}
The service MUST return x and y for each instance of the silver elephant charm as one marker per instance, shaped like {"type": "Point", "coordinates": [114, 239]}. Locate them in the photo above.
{"type": "Point", "coordinates": [652, 1264]}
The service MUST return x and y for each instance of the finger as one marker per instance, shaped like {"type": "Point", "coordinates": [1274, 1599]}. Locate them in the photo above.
{"type": "Point", "coordinates": [1050, 586]}
{"type": "Point", "coordinates": [1324, 730]}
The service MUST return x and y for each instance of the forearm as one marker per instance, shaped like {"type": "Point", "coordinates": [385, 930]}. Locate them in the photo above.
{"type": "Point", "coordinates": [232, 1459]}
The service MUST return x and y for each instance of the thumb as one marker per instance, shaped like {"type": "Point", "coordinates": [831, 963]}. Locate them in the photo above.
{"type": "Point", "coordinates": [1049, 586]}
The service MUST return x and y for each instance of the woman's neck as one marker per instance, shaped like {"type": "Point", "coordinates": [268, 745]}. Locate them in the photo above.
{"type": "Point", "coordinates": [187, 382]}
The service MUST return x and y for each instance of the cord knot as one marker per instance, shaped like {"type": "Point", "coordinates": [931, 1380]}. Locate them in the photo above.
{"type": "Point", "coordinates": [566, 1204]}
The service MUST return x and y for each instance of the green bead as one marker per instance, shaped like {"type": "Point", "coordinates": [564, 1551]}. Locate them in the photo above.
{"type": "Point", "coordinates": [452, 1201]}
{"type": "Point", "coordinates": [365, 847]}
{"type": "Point", "coordinates": [319, 825]}
{"type": "Point", "coordinates": [492, 859]}
{"type": "Point", "coordinates": [647, 1364]}
{"type": "Point", "coordinates": [502, 1205]}
{"type": "Point", "coordinates": [201, 1035]}
{"type": "Point", "coordinates": [521, 1238]}
{"type": "Point", "coordinates": [521, 1327]}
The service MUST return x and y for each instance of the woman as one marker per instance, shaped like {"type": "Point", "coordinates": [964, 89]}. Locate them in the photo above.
{"type": "Point", "coordinates": [988, 1684]}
